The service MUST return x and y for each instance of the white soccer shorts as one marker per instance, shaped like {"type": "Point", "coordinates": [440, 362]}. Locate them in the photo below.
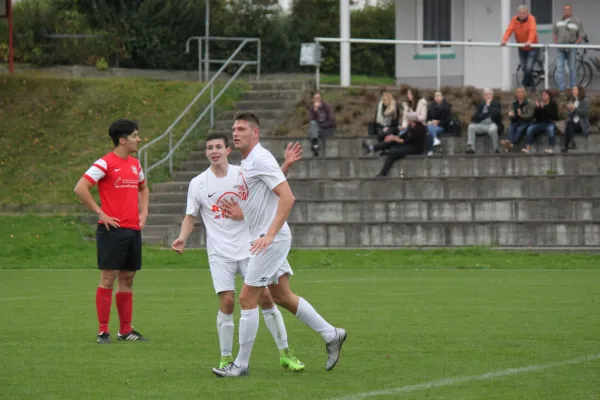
{"type": "Point", "coordinates": [265, 268]}
{"type": "Point", "coordinates": [223, 272]}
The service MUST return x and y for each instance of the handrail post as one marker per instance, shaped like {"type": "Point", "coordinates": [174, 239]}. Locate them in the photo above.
{"type": "Point", "coordinates": [212, 105]}
{"type": "Point", "coordinates": [439, 65]}
{"type": "Point", "coordinates": [146, 172]}
{"type": "Point", "coordinates": [546, 66]}
{"type": "Point", "coordinates": [258, 60]}
{"type": "Point", "coordinates": [170, 150]}
{"type": "Point", "coordinates": [199, 59]}
{"type": "Point", "coordinates": [318, 69]}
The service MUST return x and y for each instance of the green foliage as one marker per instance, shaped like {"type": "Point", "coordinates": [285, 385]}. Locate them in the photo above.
{"type": "Point", "coordinates": [153, 33]}
{"type": "Point", "coordinates": [101, 64]}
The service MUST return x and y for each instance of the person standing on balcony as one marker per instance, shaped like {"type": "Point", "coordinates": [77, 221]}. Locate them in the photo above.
{"type": "Point", "coordinates": [524, 27]}
{"type": "Point", "coordinates": [567, 30]}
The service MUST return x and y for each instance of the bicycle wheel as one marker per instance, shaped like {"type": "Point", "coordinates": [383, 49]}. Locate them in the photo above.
{"type": "Point", "coordinates": [520, 75]}
{"type": "Point", "coordinates": [588, 74]}
{"type": "Point", "coordinates": [537, 73]}
{"type": "Point", "coordinates": [580, 77]}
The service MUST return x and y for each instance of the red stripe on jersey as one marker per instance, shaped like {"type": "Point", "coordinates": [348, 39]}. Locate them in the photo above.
{"type": "Point", "coordinates": [100, 167]}
{"type": "Point", "coordinates": [89, 178]}
{"type": "Point", "coordinates": [142, 182]}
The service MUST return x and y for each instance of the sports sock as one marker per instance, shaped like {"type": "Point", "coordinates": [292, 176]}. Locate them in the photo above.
{"type": "Point", "coordinates": [103, 303]}
{"type": "Point", "coordinates": [307, 314]}
{"type": "Point", "coordinates": [276, 326]}
{"type": "Point", "coordinates": [225, 328]}
{"type": "Point", "coordinates": [125, 309]}
{"type": "Point", "coordinates": [248, 331]}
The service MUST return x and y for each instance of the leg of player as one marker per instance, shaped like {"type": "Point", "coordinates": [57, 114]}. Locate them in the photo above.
{"type": "Point", "coordinates": [125, 307]}
{"type": "Point", "coordinates": [226, 326]}
{"type": "Point", "coordinates": [276, 325]}
{"type": "Point", "coordinates": [104, 302]}
{"type": "Point", "coordinates": [249, 297]}
{"type": "Point", "coordinates": [333, 337]}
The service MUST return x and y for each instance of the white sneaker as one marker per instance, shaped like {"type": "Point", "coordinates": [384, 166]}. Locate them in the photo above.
{"type": "Point", "coordinates": [230, 371]}
{"type": "Point", "coordinates": [334, 348]}
{"type": "Point", "coordinates": [436, 142]}
{"type": "Point", "coordinates": [430, 153]}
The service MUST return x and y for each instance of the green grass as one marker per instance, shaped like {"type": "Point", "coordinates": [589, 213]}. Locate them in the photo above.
{"type": "Point", "coordinates": [54, 128]}
{"type": "Point", "coordinates": [412, 317]}
{"type": "Point", "coordinates": [359, 80]}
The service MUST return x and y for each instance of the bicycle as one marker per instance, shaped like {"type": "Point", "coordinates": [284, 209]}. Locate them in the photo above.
{"type": "Point", "coordinates": [587, 71]}
{"type": "Point", "coordinates": [538, 71]}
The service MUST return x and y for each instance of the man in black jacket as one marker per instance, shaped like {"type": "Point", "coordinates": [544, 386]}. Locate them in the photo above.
{"type": "Point", "coordinates": [487, 120]}
{"type": "Point", "coordinates": [414, 141]}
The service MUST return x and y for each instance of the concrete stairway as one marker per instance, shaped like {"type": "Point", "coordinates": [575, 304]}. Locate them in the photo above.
{"type": "Point", "coordinates": [449, 199]}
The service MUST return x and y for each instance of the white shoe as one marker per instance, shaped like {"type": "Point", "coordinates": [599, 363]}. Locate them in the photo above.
{"type": "Point", "coordinates": [334, 348]}
{"type": "Point", "coordinates": [436, 142]}
{"type": "Point", "coordinates": [430, 153]}
{"type": "Point", "coordinates": [230, 371]}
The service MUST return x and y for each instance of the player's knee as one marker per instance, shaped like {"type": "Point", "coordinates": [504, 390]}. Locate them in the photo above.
{"type": "Point", "coordinates": [107, 279]}
{"type": "Point", "coordinates": [227, 303]}
{"type": "Point", "coordinates": [126, 280]}
{"type": "Point", "coordinates": [248, 301]}
{"type": "Point", "coordinates": [266, 301]}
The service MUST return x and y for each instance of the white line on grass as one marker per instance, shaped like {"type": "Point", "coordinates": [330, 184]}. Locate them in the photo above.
{"type": "Point", "coordinates": [472, 378]}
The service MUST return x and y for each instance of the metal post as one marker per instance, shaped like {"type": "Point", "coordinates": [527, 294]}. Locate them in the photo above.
{"type": "Point", "coordinates": [10, 39]}
{"type": "Point", "coordinates": [146, 164]}
{"type": "Point", "coordinates": [258, 61]}
{"type": "Point", "coordinates": [546, 66]}
{"type": "Point", "coordinates": [212, 105]}
{"type": "Point", "coordinates": [206, 34]}
{"type": "Point", "coordinates": [317, 76]}
{"type": "Point", "coordinates": [439, 65]}
{"type": "Point", "coordinates": [199, 59]}
{"type": "Point", "coordinates": [345, 45]}
{"type": "Point", "coordinates": [170, 149]}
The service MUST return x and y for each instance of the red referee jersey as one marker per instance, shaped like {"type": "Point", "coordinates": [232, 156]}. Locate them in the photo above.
{"type": "Point", "coordinates": [118, 181]}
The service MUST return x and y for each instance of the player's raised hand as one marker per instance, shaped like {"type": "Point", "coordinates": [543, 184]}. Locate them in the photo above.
{"type": "Point", "coordinates": [178, 245]}
{"type": "Point", "coordinates": [293, 153]}
{"type": "Point", "coordinates": [108, 221]}
{"type": "Point", "coordinates": [232, 210]}
{"type": "Point", "coordinates": [261, 244]}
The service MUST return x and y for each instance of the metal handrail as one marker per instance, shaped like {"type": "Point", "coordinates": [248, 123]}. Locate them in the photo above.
{"type": "Point", "coordinates": [143, 151]}
{"type": "Point", "coordinates": [439, 44]}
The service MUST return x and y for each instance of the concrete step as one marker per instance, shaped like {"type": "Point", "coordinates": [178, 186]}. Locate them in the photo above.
{"type": "Point", "coordinates": [487, 187]}
{"type": "Point", "coordinates": [263, 114]}
{"type": "Point", "coordinates": [280, 85]}
{"type": "Point", "coordinates": [270, 95]}
{"type": "Point", "coordinates": [258, 105]}
{"type": "Point", "coordinates": [423, 234]}
{"type": "Point", "coordinates": [265, 124]}
{"type": "Point", "coordinates": [423, 166]}
{"type": "Point", "coordinates": [344, 146]}
{"type": "Point", "coordinates": [539, 209]}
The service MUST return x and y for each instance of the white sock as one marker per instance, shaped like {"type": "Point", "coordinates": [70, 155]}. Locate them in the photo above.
{"type": "Point", "coordinates": [225, 328]}
{"type": "Point", "coordinates": [307, 314]}
{"type": "Point", "coordinates": [248, 330]}
{"type": "Point", "coordinates": [276, 326]}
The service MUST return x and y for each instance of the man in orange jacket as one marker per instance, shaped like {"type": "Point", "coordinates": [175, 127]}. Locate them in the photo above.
{"type": "Point", "coordinates": [525, 29]}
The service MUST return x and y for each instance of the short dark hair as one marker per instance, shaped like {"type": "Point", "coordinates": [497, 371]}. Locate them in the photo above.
{"type": "Point", "coordinates": [121, 129]}
{"type": "Point", "coordinates": [246, 116]}
{"type": "Point", "coordinates": [217, 136]}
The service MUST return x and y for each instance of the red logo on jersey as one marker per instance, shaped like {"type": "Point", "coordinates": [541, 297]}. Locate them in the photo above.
{"type": "Point", "coordinates": [243, 189]}
{"type": "Point", "coordinates": [134, 169]}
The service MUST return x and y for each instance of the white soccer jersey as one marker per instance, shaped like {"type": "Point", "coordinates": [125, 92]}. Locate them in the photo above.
{"type": "Point", "coordinates": [225, 238]}
{"type": "Point", "coordinates": [259, 175]}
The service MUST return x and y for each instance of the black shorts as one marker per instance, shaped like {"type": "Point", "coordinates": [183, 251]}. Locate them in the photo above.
{"type": "Point", "coordinates": [119, 248]}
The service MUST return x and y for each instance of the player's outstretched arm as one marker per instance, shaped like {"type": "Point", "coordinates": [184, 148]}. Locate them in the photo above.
{"type": "Point", "coordinates": [187, 226]}
{"type": "Point", "coordinates": [284, 207]}
{"type": "Point", "coordinates": [293, 153]}
{"type": "Point", "coordinates": [144, 197]}
{"type": "Point", "coordinates": [82, 189]}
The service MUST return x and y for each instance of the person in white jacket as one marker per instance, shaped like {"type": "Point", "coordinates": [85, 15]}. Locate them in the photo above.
{"type": "Point", "coordinates": [413, 103]}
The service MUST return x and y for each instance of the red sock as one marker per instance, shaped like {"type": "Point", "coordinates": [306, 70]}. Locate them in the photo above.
{"type": "Point", "coordinates": [103, 303]}
{"type": "Point", "coordinates": [125, 308]}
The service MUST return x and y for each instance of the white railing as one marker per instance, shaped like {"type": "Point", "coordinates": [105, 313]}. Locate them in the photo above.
{"type": "Point", "coordinates": [143, 151]}
{"type": "Point", "coordinates": [438, 45]}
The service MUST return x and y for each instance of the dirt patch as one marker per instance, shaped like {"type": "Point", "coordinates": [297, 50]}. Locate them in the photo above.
{"type": "Point", "coordinates": [355, 107]}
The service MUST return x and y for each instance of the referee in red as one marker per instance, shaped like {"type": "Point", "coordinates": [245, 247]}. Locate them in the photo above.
{"type": "Point", "coordinates": [124, 197]}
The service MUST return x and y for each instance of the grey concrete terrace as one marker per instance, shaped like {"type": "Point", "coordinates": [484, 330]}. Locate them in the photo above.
{"type": "Point", "coordinates": [422, 166]}
{"type": "Point", "coordinates": [435, 188]}
{"type": "Point", "coordinates": [428, 234]}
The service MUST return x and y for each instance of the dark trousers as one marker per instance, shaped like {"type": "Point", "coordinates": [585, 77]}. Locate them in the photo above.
{"type": "Point", "coordinates": [570, 131]}
{"type": "Point", "coordinates": [397, 152]}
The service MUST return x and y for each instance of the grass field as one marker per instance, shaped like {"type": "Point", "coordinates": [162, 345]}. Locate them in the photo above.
{"type": "Point", "coordinates": [54, 128]}
{"type": "Point", "coordinates": [421, 324]}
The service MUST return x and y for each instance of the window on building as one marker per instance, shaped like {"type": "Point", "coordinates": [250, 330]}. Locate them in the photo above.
{"type": "Point", "coordinates": [437, 18]}
{"type": "Point", "coordinates": [542, 11]}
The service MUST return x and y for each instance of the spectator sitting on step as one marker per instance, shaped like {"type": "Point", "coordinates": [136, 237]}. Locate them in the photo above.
{"type": "Point", "coordinates": [438, 120]}
{"type": "Point", "coordinates": [577, 117]}
{"type": "Point", "coordinates": [544, 117]}
{"type": "Point", "coordinates": [387, 115]}
{"type": "Point", "coordinates": [413, 103]}
{"type": "Point", "coordinates": [413, 142]}
{"type": "Point", "coordinates": [322, 122]}
{"type": "Point", "coordinates": [486, 120]}
{"type": "Point", "coordinates": [520, 114]}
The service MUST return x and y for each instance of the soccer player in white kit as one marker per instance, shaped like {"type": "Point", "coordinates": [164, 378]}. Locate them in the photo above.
{"type": "Point", "coordinates": [266, 201]}
{"type": "Point", "coordinates": [227, 239]}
